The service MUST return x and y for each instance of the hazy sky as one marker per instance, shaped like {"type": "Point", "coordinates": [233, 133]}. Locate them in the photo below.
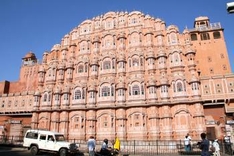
{"type": "Point", "coordinates": [36, 25]}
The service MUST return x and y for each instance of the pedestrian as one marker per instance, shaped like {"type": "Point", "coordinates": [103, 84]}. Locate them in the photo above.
{"type": "Point", "coordinates": [116, 146]}
{"type": "Point", "coordinates": [190, 146]}
{"type": "Point", "coordinates": [91, 145]}
{"type": "Point", "coordinates": [187, 144]}
{"type": "Point", "coordinates": [204, 145]}
{"type": "Point", "coordinates": [227, 144]}
{"type": "Point", "coordinates": [216, 147]}
{"type": "Point", "coordinates": [105, 150]}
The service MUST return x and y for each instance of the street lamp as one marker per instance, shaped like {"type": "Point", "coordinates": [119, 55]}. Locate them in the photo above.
{"type": "Point", "coordinates": [230, 7]}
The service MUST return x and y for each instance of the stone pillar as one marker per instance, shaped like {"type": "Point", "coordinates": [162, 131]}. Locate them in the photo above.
{"type": "Point", "coordinates": [121, 124]}
{"type": "Point", "coordinates": [64, 121]}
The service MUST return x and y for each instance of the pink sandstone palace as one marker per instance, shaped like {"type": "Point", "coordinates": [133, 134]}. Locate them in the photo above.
{"type": "Point", "coordinates": [125, 74]}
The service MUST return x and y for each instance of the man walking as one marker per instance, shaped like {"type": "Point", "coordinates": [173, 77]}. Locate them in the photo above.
{"type": "Point", "coordinates": [91, 146]}
{"type": "Point", "coordinates": [204, 145]}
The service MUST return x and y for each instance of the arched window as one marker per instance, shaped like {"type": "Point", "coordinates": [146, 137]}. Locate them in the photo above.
{"type": "Point", "coordinates": [48, 97]}
{"type": "Point", "coordinates": [105, 91]}
{"type": "Point", "coordinates": [175, 59]}
{"type": "Point", "coordinates": [112, 91]}
{"type": "Point", "coordinates": [106, 65]}
{"type": "Point", "coordinates": [77, 94]}
{"type": "Point", "coordinates": [142, 61]}
{"type": "Point", "coordinates": [86, 67]}
{"type": "Point", "coordinates": [45, 97]}
{"type": "Point", "coordinates": [179, 87]}
{"type": "Point", "coordinates": [136, 90]}
{"type": "Point", "coordinates": [107, 43]}
{"type": "Point", "coordinates": [60, 72]}
{"type": "Point", "coordinates": [135, 62]}
{"type": "Point", "coordinates": [82, 46]}
{"type": "Point", "coordinates": [173, 38]}
{"type": "Point", "coordinates": [80, 69]}
{"type": "Point", "coordinates": [50, 72]}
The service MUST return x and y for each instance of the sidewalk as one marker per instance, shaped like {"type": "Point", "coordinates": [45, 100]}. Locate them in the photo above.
{"type": "Point", "coordinates": [84, 153]}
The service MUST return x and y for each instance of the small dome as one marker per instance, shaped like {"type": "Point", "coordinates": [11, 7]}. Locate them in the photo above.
{"type": "Point", "coordinates": [150, 54]}
{"type": "Point", "coordinates": [161, 54]}
{"type": "Point", "coordinates": [56, 47]}
{"type": "Point", "coordinates": [66, 89]}
{"type": "Point", "coordinates": [194, 79]}
{"type": "Point", "coordinates": [96, 39]}
{"type": "Point", "coordinates": [41, 69]}
{"type": "Point", "coordinates": [121, 85]}
{"type": "Point", "coordinates": [69, 65]}
{"type": "Point", "coordinates": [121, 57]}
{"type": "Point", "coordinates": [151, 83]}
{"type": "Point", "coordinates": [94, 61]}
{"type": "Point", "coordinates": [29, 55]}
{"type": "Point", "coordinates": [61, 66]}
{"type": "Point", "coordinates": [57, 91]}
{"type": "Point", "coordinates": [92, 88]}
{"type": "Point", "coordinates": [121, 35]}
{"type": "Point", "coordinates": [37, 93]}
{"type": "Point", "coordinates": [164, 81]}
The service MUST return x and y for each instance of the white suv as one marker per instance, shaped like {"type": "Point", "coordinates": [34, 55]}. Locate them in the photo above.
{"type": "Point", "coordinates": [48, 141]}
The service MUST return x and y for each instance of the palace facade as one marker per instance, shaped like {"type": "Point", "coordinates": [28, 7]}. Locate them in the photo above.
{"type": "Point", "coordinates": [129, 75]}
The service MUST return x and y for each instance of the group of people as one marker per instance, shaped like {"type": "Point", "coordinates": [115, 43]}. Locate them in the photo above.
{"type": "Point", "coordinates": [215, 147]}
{"type": "Point", "coordinates": [204, 145]}
{"type": "Point", "coordinates": [105, 149]}
{"type": "Point", "coordinates": [208, 147]}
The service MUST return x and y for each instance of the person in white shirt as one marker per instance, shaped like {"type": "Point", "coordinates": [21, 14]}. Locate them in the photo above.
{"type": "Point", "coordinates": [187, 143]}
{"type": "Point", "coordinates": [189, 136]}
{"type": "Point", "coordinates": [91, 146]}
{"type": "Point", "coordinates": [217, 148]}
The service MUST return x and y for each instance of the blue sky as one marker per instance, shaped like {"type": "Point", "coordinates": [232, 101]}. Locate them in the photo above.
{"type": "Point", "coordinates": [36, 25]}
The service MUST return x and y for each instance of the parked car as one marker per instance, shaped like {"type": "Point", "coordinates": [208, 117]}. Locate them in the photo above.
{"type": "Point", "coordinates": [48, 141]}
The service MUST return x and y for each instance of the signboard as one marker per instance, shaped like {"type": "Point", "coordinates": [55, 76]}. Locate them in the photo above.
{"type": "Point", "coordinates": [15, 121]}
{"type": "Point", "coordinates": [231, 122]}
{"type": "Point", "coordinates": [210, 122]}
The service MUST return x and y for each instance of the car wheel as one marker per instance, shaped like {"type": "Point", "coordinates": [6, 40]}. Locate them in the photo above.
{"type": "Point", "coordinates": [34, 150]}
{"type": "Point", "coordinates": [63, 152]}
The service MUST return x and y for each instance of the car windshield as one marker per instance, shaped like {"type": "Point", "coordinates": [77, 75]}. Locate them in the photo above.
{"type": "Point", "coordinates": [59, 138]}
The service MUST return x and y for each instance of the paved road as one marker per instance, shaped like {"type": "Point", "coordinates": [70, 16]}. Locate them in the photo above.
{"type": "Point", "coordinates": [16, 151]}
{"type": "Point", "coordinates": [11, 151]}
{"type": "Point", "coordinates": [19, 151]}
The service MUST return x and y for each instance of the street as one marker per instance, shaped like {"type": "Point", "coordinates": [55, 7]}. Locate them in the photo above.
{"type": "Point", "coordinates": [17, 151]}
{"type": "Point", "coordinates": [9, 151]}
